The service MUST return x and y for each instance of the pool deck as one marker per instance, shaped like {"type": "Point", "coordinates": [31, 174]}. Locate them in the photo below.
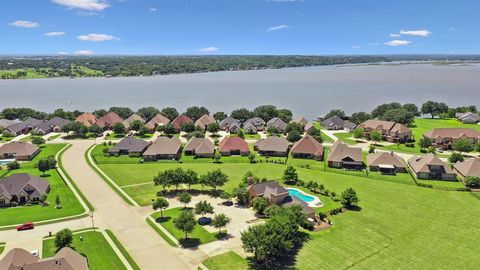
{"type": "Point", "coordinates": [316, 201]}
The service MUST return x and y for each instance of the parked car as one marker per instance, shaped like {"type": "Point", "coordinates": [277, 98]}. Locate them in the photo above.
{"type": "Point", "coordinates": [35, 253]}
{"type": "Point", "coordinates": [26, 226]}
{"type": "Point", "coordinates": [204, 221]}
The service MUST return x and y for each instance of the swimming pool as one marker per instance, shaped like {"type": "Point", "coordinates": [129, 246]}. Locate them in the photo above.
{"type": "Point", "coordinates": [302, 196]}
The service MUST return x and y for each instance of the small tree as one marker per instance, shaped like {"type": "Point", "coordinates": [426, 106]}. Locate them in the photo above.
{"type": "Point", "coordinates": [170, 129]}
{"type": "Point", "coordinates": [203, 207]}
{"type": "Point", "coordinates": [160, 203]}
{"type": "Point", "coordinates": [260, 204]}
{"type": "Point", "coordinates": [63, 238]}
{"type": "Point", "coordinates": [187, 127]}
{"type": "Point", "coordinates": [241, 134]}
{"type": "Point", "coordinates": [463, 145]}
{"type": "Point", "coordinates": [425, 142]}
{"type": "Point", "coordinates": [219, 221]}
{"type": "Point", "coordinates": [217, 157]}
{"type": "Point", "coordinates": [456, 157]}
{"type": "Point", "coordinates": [314, 186]}
{"type": "Point", "coordinates": [13, 165]}
{"type": "Point", "coordinates": [185, 198]}
{"type": "Point", "coordinates": [375, 136]}
{"type": "Point", "coordinates": [294, 136]}
{"type": "Point", "coordinates": [118, 128]}
{"type": "Point", "coordinates": [185, 222]}
{"type": "Point", "coordinates": [38, 140]}
{"type": "Point", "coordinates": [216, 178]}
{"type": "Point", "coordinates": [290, 175]}
{"type": "Point", "coordinates": [136, 125]}
{"type": "Point", "coordinates": [241, 194]}
{"type": "Point", "coordinates": [213, 128]}
{"type": "Point", "coordinates": [43, 166]}
{"type": "Point", "coordinates": [349, 198]}
{"type": "Point", "coordinates": [58, 202]}
{"type": "Point", "coordinates": [251, 157]}
{"type": "Point", "coordinates": [359, 133]}
{"type": "Point", "coordinates": [472, 181]}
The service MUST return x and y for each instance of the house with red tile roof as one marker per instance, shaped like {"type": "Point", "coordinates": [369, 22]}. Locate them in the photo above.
{"type": "Point", "coordinates": [108, 120]}
{"type": "Point", "coordinates": [87, 119]}
{"type": "Point", "coordinates": [233, 145]}
{"type": "Point", "coordinates": [180, 120]}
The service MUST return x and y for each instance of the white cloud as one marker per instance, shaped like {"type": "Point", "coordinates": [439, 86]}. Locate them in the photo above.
{"type": "Point", "coordinates": [93, 5]}
{"type": "Point", "coordinates": [96, 37]}
{"type": "Point", "coordinates": [24, 24]}
{"type": "Point", "coordinates": [208, 50]}
{"type": "Point", "coordinates": [397, 42]}
{"type": "Point", "coordinates": [63, 53]}
{"type": "Point", "coordinates": [84, 52]}
{"type": "Point", "coordinates": [355, 47]}
{"type": "Point", "coordinates": [418, 33]}
{"type": "Point", "coordinates": [394, 35]}
{"type": "Point", "coordinates": [278, 27]}
{"type": "Point", "coordinates": [152, 9]}
{"type": "Point", "coordinates": [54, 34]}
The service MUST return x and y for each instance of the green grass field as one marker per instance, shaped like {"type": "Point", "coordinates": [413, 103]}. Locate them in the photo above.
{"type": "Point", "coordinates": [94, 246]}
{"type": "Point", "coordinates": [198, 236]}
{"type": "Point", "coordinates": [2, 247]}
{"type": "Point", "coordinates": [34, 213]}
{"type": "Point", "coordinates": [228, 260]}
{"type": "Point", "coordinates": [345, 137]}
{"type": "Point", "coordinates": [325, 137]}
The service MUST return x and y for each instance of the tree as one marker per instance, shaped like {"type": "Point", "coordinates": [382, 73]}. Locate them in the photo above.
{"type": "Point", "coordinates": [100, 113]}
{"type": "Point", "coordinates": [185, 198]}
{"type": "Point", "coordinates": [242, 114]}
{"type": "Point", "coordinates": [434, 108]}
{"type": "Point", "coordinates": [401, 116]}
{"type": "Point", "coordinates": [213, 128]}
{"type": "Point", "coordinates": [294, 126]}
{"type": "Point", "coordinates": [203, 207]}
{"type": "Point", "coordinates": [241, 194]}
{"type": "Point", "coordinates": [349, 198]}
{"type": "Point", "coordinates": [375, 136]}
{"type": "Point", "coordinates": [380, 110]}
{"type": "Point", "coordinates": [260, 204]}
{"type": "Point", "coordinates": [118, 128]}
{"type": "Point", "coordinates": [195, 112]}
{"type": "Point", "coordinates": [266, 112]}
{"type": "Point", "coordinates": [136, 125]}
{"type": "Point", "coordinates": [185, 222]}
{"type": "Point", "coordinates": [170, 113]}
{"type": "Point", "coordinates": [142, 130]}
{"type": "Point", "coordinates": [294, 136]}
{"type": "Point", "coordinates": [216, 178]}
{"type": "Point", "coordinates": [219, 221]}
{"type": "Point", "coordinates": [425, 142]}
{"type": "Point", "coordinates": [148, 113]}
{"type": "Point", "coordinates": [463, 145]}
{"type": "Point", "coordinates": [335, 112]}
{"type": "Point", "coordinates": [43, 166]}
{"type": "Point", "coordinates": [251, 158]}
{"type": "Point", "coordinates": [359, 133]}
{"type": "Point", "coordinates": [285, 115]}
{"type": "Point", "coordinates": [456, 157]}
{"type": "Point", "coordinates": [412, 108]}
{"type": "Point", "coordinates": [217, 157]}
{"type": "Point", "coordinates": [63, 238]}
{"type": "Point", "coordinates": [38, 140]}
{"type": "Point", "coordinates": [160, 203]}
{"type": "Point", "coordinates": [187, 127]}
{"type": "Point", "coordinates": [164, 179]}
{"type": "Point", "coordinates": [75, 127]}
{"type": "Point", "coordinates": [190, 177]}
{"type": "Point", "coordinates": [95, 129]}
{"type": "Point", "coordinates": [290, 175]}
{"type": "Point", "coordinates": [360, 117]}
{"type": "Point", "coordinates": [472, 182]}
{"type": "Point", "coordinates": [219, 116]}
{"type": "Point", "coordinates": [13, 165]}
{"type": "Point", "coordinates": [241, 134]}
{"type": "Point", "coordinates": [123, 112]}
{"type": "Point", "coordinates": [170, 129]}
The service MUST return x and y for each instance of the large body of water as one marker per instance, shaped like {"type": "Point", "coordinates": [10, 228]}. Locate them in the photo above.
{"type": "Point", "coordinates": [306, 91]}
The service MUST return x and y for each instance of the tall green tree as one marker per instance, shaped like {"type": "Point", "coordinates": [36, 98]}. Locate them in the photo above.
{"type": "Point", "coordinates": [203, 207]}
{"type": "Point", "coordinates": [185, 198]}
{"type": "Point", "coordinates": [160, 203]}
{"type": "Point", "coordinates": [185, 222]}
{"type": "Point", "coordinates": [220, 221]}
{"type": "Point", "coordinates": [349, 198]}
{"type": "Point", "coordinates": [63, 238]}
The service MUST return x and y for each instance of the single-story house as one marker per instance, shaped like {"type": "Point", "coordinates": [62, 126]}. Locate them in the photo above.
{"type": "Point", "coordinates": [127, 122]}
{"type": "Point", "coordinates": [390, 131]}
{"type": "Point", "coordinates": [4, 123]}
{"type": "Point", "coordinates": [277, 123]}
{"type": "Point", "coordinates": [386, 163]}
{"type": "Point", "coordinates": [43, 127]}
{"type": "Point", "coordinates": [445, 137]}
{"type": "Point", "coordinates": [302, 121]}
{"type": "Point", "coordinates": [272, 146]}
{"type": "Point", "coordinates": [129, 145]}
{"type": "Point", "coordinates": [309, 127]}
{"type": "Point", "coordinates": [254, 125]}
{"type": "Point", "coordinates": [199, 147]}
{"type": "Point", "coordinates": [65, 259]}
{"type": "Point", "coordinates": [204, 121]}
{"type": "Point", "coordinates": [180, 120]}
{"type": "Point", "coordinates": [470, 167]}
{"type": "Point", "coordinates": [24, 127]}
{"type": "Point", "coordinates": [87, 119]}
{"type": "Point", "coordinates": [233, 145]}
{"type": "Point", "coordinates": [337, 123]}
{"type": "Point", "coordinates": [108, 120]}
{"type": "Point", "coordinates": [344, 156]}
{"type": "Point", "coordinates": [230, 124]}
{"type": "Point", "coordinates": [157, 120]}
{"type": "Point", "coordinates": [468, 117]}
{"type": "Point", "coordinates": [22, 188]}
{"type": "Point", "coordinates": [163, 148]}
{"type": "Point", "coordinates": [307, 147]}
{"type": "Point", "coordinates": [19, 150]}
{"type": "Point", "coordinates": [57, 123]}
{"type": "Point", "coordinates": [431, 167]}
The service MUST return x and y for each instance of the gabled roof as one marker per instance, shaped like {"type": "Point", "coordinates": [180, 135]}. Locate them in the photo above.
{"type": "Point", "coordinates": [255, 121]}
{"type": "Point", "coordinates": [157, 120]}
{"type": "Point", "coordinates": [229, 122]}
{"type": "Point", "coordinates": [291, 200]}
{"type": "Point", "coordinates": [385, 126]}
{"type": "Point", "coordinates": [268, 188]}
{"type": "Point", "coordinates": [249, 126]}
{"type": "Point", "coordinates": [44, 126]}
{"type": "Point", "coordinates": [28, 123]}
{"type": "Point", "coordinates": [58, 122]}
{"type": "Point", "coordinates": [454, 133]}
{"type": "Point", "coordinates": [164, 146]}
{"type": "Point", "coordinates": [204, 121]}
{"type": "Point", "coordinates": [278, 123]}
{"type": "Point", "coordinates": [87, 119]}
{"type": "Point", "coordinates": [109, 119]}
{"type": "Point", "coordinates": [16, 258]}
{"type": "Point", "coordinates": [15, 183]}
{"type": "Point", "coordinates": [129, 144]}
{"type": "Point", "coordinates": [273, 144]}
{"type": "Point", "coordinates": [307, 145]}
{"type": "Point", "coordinates": [18, 148]}
{"type": "Point", "coordinates": [339, 151]}
{"type": "Point", "coordinates": [127, 122]}
{"type": "Point", "coordinates": [5, 122]}
{"type": "Point", "coordinates": [333, 121]}
{"type": "Point", "coordinates": [301, 120]}
{"type": "Point", "coordinates": [200, 146]}
{"type": "Point", "coordinates": [180, 120]}
{"type": "Point", "coordinates": [65, 259]}
{"type": "Point", "coordinates": [233, 143]}
{"type": "Point", "coordinates": [469, 115]}
{"type": "Point", "coordinates": [385, 158]}
{"type": "Point", "coordinates": [470, 167]}
{"type": "Point", "coordinates": [420, 164]}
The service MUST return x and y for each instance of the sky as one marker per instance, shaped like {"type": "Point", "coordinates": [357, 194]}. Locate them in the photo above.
{"type": "Point", "coordinates": [206, 27]}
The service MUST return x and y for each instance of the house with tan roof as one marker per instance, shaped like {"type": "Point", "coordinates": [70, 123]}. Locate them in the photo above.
{"type": "Point", "coordinates": [180, 120]}
{"type": "Point", "coordinates": [277, 123]}
{"type": "Point", "coordinates": [344, 156]}
{"type": "Point", "coordinates": [19, 150]}
{"type": "Point", "coordinates": [134, 117]}
{"type": "Point", "coordinates": [386, 163]}
{"type": "Point", "coordinates": [468, 117]}
{"type": "Point", "coordinates": [129, 145]}
{"type": "Point", "coordinates": [22, 188]}
{"type": "Point", "coordinates": [307, 147]}
{"type": "Point", "coordinates": [445, 137]}
{"type": "Point", "coordinates": [199, 147]}
{"type": "Point", "coordinates": [337, 123]}
{"type": "Point", "coordinates": [302, 121]}
{"type": "Point", "coordinates": [391, 131]}
{"type": "Point", "coordinates": [233, 145]}
{"type": "Point", "coordinates": [157, 120]}
{"type": "Point", "coordinates": [87, 119]}
{"type": "Point", "coordinates": [108, 120]}
{"type": "Point", "coordinates": [163, 148]}
{"type": "Point", "coordinates": [431, 167]}
{"type": "Point", "coordinates": [65, 259]}
{"type": "Point", "coordinates": [272, 146]}
{"type": "Point", "coordinates": [230, 124]}
{"type": "Point", "coordinates": [470, 167]}
{"type": "Point", "coordinates": [204, 121]}
{"type": "Point", "coordinates": [254, 125]}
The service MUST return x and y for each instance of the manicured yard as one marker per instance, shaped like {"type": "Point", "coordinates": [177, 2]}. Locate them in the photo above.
{"type": "Point", "coordinates": [100, 157]}
{"type": "Point", "coordinates": [325, 137]}
{"type": "Point", "coordinates": [345, 137]}
{"type": "Point", "coordinates": [229, 260]}
{"type": "Point", "coordinates": [94, 246]}
{"type": "Point", "coordinates": [34, 213]}
{"type": "Point", "coordinates": [199, 236]}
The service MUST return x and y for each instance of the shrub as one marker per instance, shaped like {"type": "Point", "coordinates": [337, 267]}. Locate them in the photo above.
{"type": "Point", "coordinates": [472, 181]}
{"type": "Point", "coordinates": [456, 157]}
{"type": "Point", "coordinates": [14, 165]}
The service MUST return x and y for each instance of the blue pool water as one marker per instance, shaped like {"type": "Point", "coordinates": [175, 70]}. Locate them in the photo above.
{"type": "Point", "coordinates": [299, 195]}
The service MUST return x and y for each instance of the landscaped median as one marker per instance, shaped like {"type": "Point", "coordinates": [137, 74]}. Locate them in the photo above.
{"type": "Point", "coordinates": [229, 260]}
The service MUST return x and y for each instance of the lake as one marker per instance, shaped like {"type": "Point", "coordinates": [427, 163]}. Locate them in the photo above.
{"type": "Point", "coordinates": [309, 91]}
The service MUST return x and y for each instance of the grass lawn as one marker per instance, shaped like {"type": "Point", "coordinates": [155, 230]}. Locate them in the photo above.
{"type": "Point", "coordinates": [101, 158]}
{"type": "Point", "coordinates": [31, 73]}
{"type": "Point", "coordinates": [145, 136]}
{"type": "Point", "coordinates": [34, 213]}
{"type": "Point", "coordinates": [229, 260]}
{"type": "Point", "coordinates": [114, 136]}
{"type": "Point", "coordinates": [442, 183]}
{"type": "Point", "coordinates": [345, 137]}
{"type": "Point", "coordinates": [198, 236]}
{"type": "Point", "coordinates": [94, 246]}
{"type": "Point", "coordinates": [325, 137]}
{"type": "Point", "coordinates": [252, 136]}
{"type": "Point", "coordinates": [51, 138]}
{"type": "Point", "coordinates": [2, 247]}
